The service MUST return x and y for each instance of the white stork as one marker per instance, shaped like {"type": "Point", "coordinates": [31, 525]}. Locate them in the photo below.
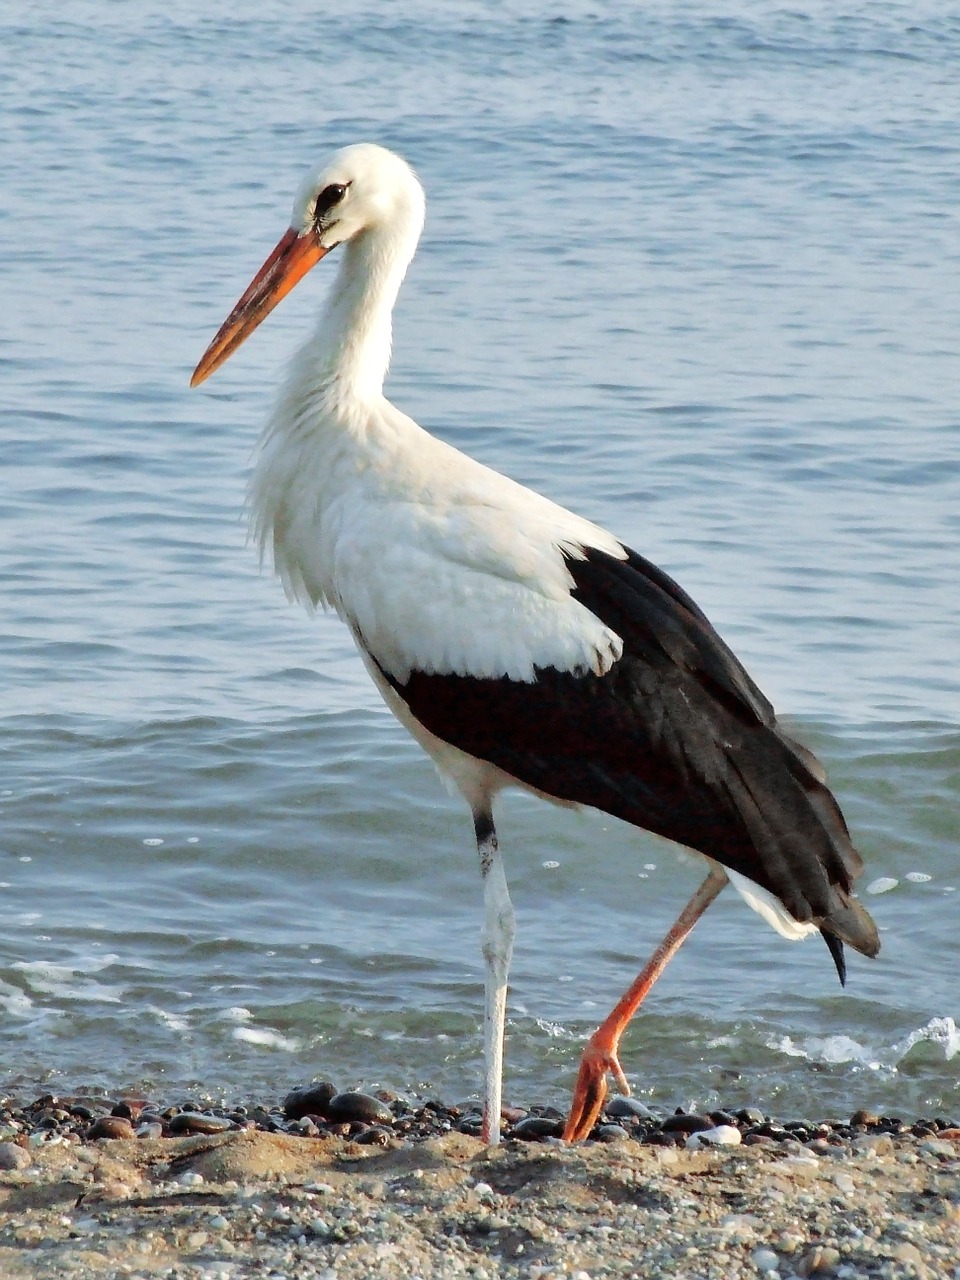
{"type": "Point", "coordinates": [519, 644]}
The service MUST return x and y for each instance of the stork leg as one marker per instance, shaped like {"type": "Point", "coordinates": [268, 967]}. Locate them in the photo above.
{"type": "Point", "coordinates": [498, 931]}
{"type": "Point", "coordinates": [600, 1055]}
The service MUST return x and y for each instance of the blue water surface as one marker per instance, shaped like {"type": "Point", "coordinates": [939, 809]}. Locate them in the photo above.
{"type": "Point", "coordinates": [693, 273]}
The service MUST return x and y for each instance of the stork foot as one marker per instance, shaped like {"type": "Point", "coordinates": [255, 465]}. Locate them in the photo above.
{"type": "Point", "coordinates": [590, 1093]}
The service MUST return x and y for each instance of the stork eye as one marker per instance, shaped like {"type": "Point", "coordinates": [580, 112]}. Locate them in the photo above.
{"type": "Point", "coordinates": [327, 198]}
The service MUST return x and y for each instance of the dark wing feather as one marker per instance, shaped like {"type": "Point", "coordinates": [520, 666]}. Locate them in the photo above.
{"type": "Point", "coordinates": [675, 738]}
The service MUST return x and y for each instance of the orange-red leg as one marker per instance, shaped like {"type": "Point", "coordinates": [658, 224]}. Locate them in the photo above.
{"type": "Point", "coordinates": [600, 1055]}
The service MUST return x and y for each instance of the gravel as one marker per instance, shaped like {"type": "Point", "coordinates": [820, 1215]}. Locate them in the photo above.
{"type": "Point", "coordinates": [407, 1191]}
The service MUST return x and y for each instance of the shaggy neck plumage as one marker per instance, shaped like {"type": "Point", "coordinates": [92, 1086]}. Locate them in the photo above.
{"type": "Point", "coordinates": [346, 360]}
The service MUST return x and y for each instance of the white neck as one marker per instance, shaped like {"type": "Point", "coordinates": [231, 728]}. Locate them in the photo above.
{"type": "Point", "coordinates": [330, 414]}
{"type": "Point", "coordinates": [347, 357]}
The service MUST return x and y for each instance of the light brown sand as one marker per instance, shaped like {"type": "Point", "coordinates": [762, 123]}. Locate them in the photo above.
{"type": "Point", "coordinates": [258, 1204]}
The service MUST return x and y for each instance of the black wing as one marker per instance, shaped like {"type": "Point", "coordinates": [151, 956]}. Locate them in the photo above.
{"type": "Point", "coordinates": [675, 738]}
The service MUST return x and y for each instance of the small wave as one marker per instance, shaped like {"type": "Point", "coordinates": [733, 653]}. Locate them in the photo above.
{"type": "Point", "coordinates": [16, 1002]}
{"type": "Point", "coordinates": [940, 1032]}
{"type": "Point", "coordinates": [266, 1039]}
{"type": "Point", "coordinates": [172, 1021]}
{"type": "Point", "coordinates": [833, 1050]}
{"type": "Point", "coordinates": [71, 982]}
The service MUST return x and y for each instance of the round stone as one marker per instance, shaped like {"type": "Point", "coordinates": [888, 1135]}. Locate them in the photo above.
{"type": "Point", "coordinates": [624, 1107]}
{"type": "Point", "coordinates": [536, 1128]}
{"type": "Point", "coordinates": [352, 1106]}
{"type": "Point", "coordinates": [375, 1136]}
{"type": "Point", "coordinates": [723, 1117]}
{"type": "Point", "coordinates": [309, 1100]}
{"type": "Point", "coordinates": [610, 1133]}
{"type": "Point", "coordinates": [723, 1135]}
{"type": "Point", "coordinates": [13, 1157]}
{"type": "Point", "coordinates": [198, 1122]}
{"type": "Point", "coordinates": [111, 1127]}
{"type": "Point", "coordinates": [684, 1123]}
{"type": "Point", "coordinates": [765, 1260]}
{"type": "Point", "coordinates": [750, 1115]}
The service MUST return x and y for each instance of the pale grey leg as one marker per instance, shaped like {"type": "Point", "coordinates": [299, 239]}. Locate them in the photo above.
{"type": "Point", "coordinates": [498, 932]}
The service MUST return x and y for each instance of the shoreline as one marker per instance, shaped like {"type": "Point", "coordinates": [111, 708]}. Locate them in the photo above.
{"type": "Point", "coordinates": [868, 1198]}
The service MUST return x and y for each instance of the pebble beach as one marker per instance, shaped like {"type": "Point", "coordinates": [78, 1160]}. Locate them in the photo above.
{"type": "Point", "coordinates": [343, 1186]}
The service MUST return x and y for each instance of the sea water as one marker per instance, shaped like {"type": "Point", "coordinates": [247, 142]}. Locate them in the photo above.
{"type": "Point", "coordinates": [693, 272]}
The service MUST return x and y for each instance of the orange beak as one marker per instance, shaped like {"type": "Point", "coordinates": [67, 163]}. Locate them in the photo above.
{"type": "Point", "coordinates": [290, 261]}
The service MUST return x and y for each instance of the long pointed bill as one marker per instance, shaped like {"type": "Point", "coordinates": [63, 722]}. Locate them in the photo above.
{"type": "Point", "coordinates": [290, 261]}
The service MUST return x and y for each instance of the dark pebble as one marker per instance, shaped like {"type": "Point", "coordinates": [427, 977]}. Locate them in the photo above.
{"type": "Point", "coordinates": [310, 1100]}
{"type": "Point", "coordinates": [750, 1115]}
{"type": "Point", "coordinates": [80, 1112]}
{"type": "Point", "coordinates": [375, 1136]}
{"type": "Point", "coordinates": [610, 1133]}
{"type": "Point", "coordinates": [686, 1124]}
{"type": "Point", "coordinates": [129, 1108]}
{"type": "Point", "coordinates": [535, 1128]}
{"type": "Point", "coordinates": [111, 1127]}
{"type": "Point", "coordinates": [864, 1117]}
{"type": "Point", "coordinates": [724, 1117]}
{"type": "Point", "coordinates": [198, 1122]}
{"type": "Point", "coordinates": [624, 1107]}
{"type": "Point", "coordinates": [304, 1127]}
{"type": "Point", "coordinates": [348, 1106]}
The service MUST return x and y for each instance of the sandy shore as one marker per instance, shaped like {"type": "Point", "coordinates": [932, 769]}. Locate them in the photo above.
{"type": "Point", "coordinates": [249, 1203]}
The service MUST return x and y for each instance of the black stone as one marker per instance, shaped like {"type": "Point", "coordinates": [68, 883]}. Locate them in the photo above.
{"type": "Point", "coordinates": [535, 1128]}
{"type": "Point", "coordinates": [724, 1117]}
{"type": "Point", "coordinates": [349, 1106]}
{"type": "Point", "coordinates": [623, 1107]}
{"type": "Point", "coordinates": [111, 1127]}
{"type": "Point", "coordinates": [750, 1115]}
{"type": "Point", "coordinates": [375, 1136]}
{"type": "Point", "coordinates": [686, 1124]}
{"type": "Point", "coordinates": [610, 1133]}
{"type": "Point", "coordinates": [199, 1122]}
{"type": "Point", "coordinates": [309, 1100]}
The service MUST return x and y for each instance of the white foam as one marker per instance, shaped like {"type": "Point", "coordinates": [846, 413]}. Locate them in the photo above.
{"type": "Point", "coordinates": [172, 1021]}
{"type": "Point", "coordinates": [71, 982]}
{"type": "Point", "coordinates": [555, 1030]}
{"type": "Point", "coordinates": [266, 1039]}
{"type": "Point", "coordinates": [918, 877]}
{"type": "Point", "coordinates": [834, 1050]}
{"type": "Point", "coordinates": [16, 1002]}
{"type": "Point", "coordinates": [883, 884]}
{"type": "Point", "coordinates": [938, 1031]}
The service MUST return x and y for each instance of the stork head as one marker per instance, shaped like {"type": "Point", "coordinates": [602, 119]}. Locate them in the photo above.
{"type": "Point", "coordinates": [364, 191]}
